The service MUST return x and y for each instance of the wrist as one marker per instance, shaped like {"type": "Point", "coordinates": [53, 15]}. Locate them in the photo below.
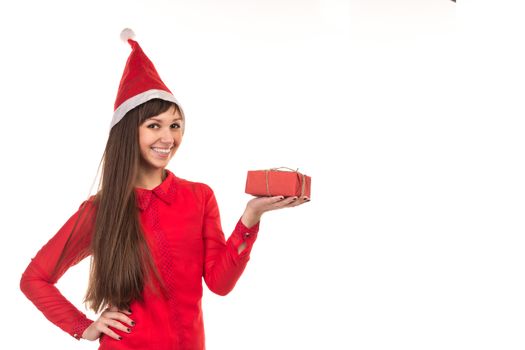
{"type": "Point", "coordinates": [250, 218]}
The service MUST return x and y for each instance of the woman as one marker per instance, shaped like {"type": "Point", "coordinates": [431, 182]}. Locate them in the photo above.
{"type": "Point", "coordinates": [152, 235]}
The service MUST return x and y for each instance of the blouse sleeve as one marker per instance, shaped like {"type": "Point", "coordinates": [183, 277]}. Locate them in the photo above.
{"type": "Point", "coordinates": [38, 283]}
{"type": "Point", "coordinates": [223, 265]}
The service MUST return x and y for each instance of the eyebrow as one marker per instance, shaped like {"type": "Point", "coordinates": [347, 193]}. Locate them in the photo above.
{"type": "Point", "coordinates": [153, 118]}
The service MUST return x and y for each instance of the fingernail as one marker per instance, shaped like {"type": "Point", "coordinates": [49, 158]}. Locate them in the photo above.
{"type": "Point", "coordinates": [129, 310]}
{"type": "Point", "coordinates": [294, 199]}
{"type": "Point", "coordinates": [129, 330]}
{"type": "Point", "coordinates": [119, 337]}
{"type": "Point", "coordinates": [132, 323]}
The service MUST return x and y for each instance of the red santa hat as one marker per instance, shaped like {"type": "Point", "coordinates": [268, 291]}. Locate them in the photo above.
{"type": "Point", "coordinates": [140, 81]}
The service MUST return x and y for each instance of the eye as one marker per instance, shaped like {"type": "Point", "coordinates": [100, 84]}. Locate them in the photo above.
{"type": "Point", "coordinates": [150, 126]}
{"type": "Point", "coordinates": [176, 125]}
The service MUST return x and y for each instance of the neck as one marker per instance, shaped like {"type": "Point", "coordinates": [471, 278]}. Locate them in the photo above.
{"type": "Point", "coordinates": [150, 178]}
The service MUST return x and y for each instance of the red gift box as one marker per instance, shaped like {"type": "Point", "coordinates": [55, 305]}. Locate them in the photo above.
{"type": "Point", "coordinates": [274, 182]}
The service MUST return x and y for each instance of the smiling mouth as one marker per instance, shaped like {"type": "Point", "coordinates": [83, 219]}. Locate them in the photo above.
{"type": "Point", "coordinates": [162, 151]}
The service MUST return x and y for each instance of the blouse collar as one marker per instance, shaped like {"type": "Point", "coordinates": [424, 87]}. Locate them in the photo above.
{"type": "Point", "coordinates": [164, 191]}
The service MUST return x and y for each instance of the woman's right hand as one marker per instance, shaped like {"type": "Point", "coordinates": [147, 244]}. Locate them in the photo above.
{"type": "Point", "coordinates": [110, 317]}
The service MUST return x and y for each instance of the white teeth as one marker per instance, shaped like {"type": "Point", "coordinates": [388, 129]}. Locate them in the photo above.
{"type": "Point", "coordinates": [161, 150]}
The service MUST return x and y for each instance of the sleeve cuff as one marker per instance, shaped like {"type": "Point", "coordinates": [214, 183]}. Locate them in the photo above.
{"type": "Point", "coordinates": [80, 326]}
{"type": "Point", "coordinates": [253, 229]}
{"type": "Point", "coordinates": [242, 234]}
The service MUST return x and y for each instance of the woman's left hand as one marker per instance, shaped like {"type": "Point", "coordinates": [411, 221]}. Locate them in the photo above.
{"type": "Point", "coordinates": [259, 205]}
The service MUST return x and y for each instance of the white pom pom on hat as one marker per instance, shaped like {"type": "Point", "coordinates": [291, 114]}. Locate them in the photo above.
{"type": "Point", "coordinates": [140, 82]}
{"type": "Point", "coordinates": [127, 33]}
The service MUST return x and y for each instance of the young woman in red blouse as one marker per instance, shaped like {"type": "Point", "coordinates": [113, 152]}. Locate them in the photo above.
{"type": "Point", "coordinates": [151, 235]}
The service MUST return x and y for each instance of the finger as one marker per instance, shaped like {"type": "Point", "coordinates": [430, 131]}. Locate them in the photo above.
{"type": "Point", "coordinates": [117, 325]}
{"type": "Point", "coordinates": [116, 315]}
{"type": "Point", "coordinates": [103, 327]}
{"type": "Point", "coordinates": [127, 312]}
{"type": "Point", "coordinates": [302, 200]}
{"type": "Point", "coordinates": [284, 203]}
{"type": "Point", "coordinates": [295, 202]}
{"type": "Point", "coordinates": [115, 309]}
{"type": "Point", "coordinates": [111, 333]}
{"type": "Point", "coordinates": [108, 325]}
{"type": "Point", "coordinates": [276, 199]}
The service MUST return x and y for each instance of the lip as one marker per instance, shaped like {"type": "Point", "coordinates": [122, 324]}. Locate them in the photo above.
{"type": "Point", "coordinates": [161, 155]}
{"type": "Point", "coordinates": [170, 148]}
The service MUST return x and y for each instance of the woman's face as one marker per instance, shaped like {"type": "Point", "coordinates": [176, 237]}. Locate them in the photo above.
{"type": "Point", "coordinates": [159, 138]}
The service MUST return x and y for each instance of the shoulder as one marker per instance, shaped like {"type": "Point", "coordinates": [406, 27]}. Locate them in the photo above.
{"type": "Point", "coordinates": [90, 203]}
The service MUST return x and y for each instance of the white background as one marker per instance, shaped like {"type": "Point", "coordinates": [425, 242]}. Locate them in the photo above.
{"type": "Point", "coordinates": [407, 114]}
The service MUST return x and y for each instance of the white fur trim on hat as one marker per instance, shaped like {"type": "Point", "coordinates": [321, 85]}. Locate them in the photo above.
{"type": "Point", "coordinates": [136, 100]}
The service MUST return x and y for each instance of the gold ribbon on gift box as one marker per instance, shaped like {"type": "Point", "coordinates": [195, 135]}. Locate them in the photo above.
{"type": "Point", "coordinates": [303, 179]}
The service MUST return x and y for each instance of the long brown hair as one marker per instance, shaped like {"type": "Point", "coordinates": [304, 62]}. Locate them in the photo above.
{"type": "Point", "coordinates": [121, 263]}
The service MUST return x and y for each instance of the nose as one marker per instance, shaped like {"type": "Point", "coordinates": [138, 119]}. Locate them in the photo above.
{"type": "Point", "coordinates": [167, 137]}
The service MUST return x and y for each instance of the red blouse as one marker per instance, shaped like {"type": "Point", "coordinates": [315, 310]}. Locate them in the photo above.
{"type": "Point", "coordinates": [181, 222]}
